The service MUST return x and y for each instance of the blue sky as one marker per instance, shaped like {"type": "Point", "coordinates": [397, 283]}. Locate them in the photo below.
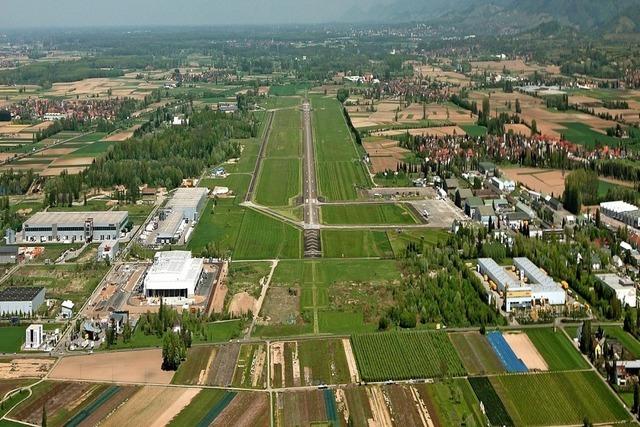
{"type": "Point", "coordinates": [82, 13]}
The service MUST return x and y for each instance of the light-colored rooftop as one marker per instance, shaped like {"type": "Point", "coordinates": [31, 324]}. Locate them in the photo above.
{"type": "Point", "coordinates": [98, 217]}
{"type": "Point", "coordinates": [618, 206]}
{"type": "Point", "coordinates": [187, 197]}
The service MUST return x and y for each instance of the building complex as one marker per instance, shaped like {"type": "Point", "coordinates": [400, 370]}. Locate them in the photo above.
{"type": "Point", "coordinates": [69, 227]}
{"type": "Point", "coordinates": [174, 274]}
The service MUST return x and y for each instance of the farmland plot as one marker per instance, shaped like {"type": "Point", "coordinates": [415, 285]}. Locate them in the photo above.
{"type": "Point", "coordinates": [557, 350]}
{"type": "Point", "coordinates": [477, 355]}
{"type": "Point", "coordinates": [251, 366]}
{"type": "Point", "coordinates": [406, 355]}
{"type": "Point", "coordinates": [560, 398]}
{"type": "Point", "coordinates": [262, 237]}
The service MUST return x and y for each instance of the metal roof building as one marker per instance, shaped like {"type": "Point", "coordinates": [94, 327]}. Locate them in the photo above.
{"type": "Point", "coordinates": [68, 227]}
{"type": "Point", "coordinates": [21, 301]}
{"type": "Point", "coordinates": [538, 289]}
{"type": "Point", "coordinates": [173, 274]}
{"type": "Point", "coordinates": [184, 206]}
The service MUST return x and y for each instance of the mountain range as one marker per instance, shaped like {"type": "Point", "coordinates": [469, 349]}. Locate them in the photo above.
{"type": "Point", "coordinates": [607, 16]}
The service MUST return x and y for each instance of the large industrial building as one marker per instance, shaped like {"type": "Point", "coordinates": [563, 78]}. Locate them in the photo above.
{"type": "Point", "coordinates": [21, 301]}
{"type": "Point", "coordinates": [623, 212]}
{"type": "Point", "coordinates": [183, 208]}
{"type": "Point", "coordinates": [525, 285]}
{"type": "Point", "coordinates": [624, 288]}
{"type": "Point", "coordinates": [69, 227]}
{"type": "Point", "coordinates": [173, 274]}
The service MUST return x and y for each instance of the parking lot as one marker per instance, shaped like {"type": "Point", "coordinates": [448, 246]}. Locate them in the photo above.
{"type": "Point", "coordinates": [441, 213]}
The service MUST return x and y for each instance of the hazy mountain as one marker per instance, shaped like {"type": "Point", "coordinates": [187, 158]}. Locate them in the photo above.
{"type": "Point", "coordinates": [496, 15]}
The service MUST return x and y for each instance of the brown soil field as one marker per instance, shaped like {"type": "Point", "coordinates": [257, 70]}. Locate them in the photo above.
{"type": "Point", "coordinates": [363, 122]}
{"type": "Point", "coordinates": [25, 368]}
{"type": "Point", "coordinates": [10, 129]}
{"type": "Point", "coordinates": [108, 407]}
{"type": "Point", "coordinates": [61, 397]}
{"type": "Point", "coordinates": [518, 129]}
{"type": "Point", "coordinates": [55, 152]}
{"type": "Point", "coordinates": [8, 385]}
{"type": "Point", "coordinates": [499, 100]}
{"type": "Point", "coordinates": [246, 410]}
{"type": "Point", "coordinates": [513, 65]}
{"type": "Point", "coordinates": [58, 171]}
{"type": "Point", "coordinates": [443, 76]}
{"type": "Point", "coordinates": [73, 161]}
{"type": "Point", "coordinates": [554, 119]}
{"type": "Point", "coordinates": [242, 303]}
{"type": "Point", "coordinates": [407, 406]}
{"type": "Point", "coordinates": [379, 408]}
{"type": "Point", "coordinates": [384, 155]}
{"type": "Point", "coordinates": [5, 156]}
{"type": "Point", "coordinates": [526, 351]}
{"type": "Point", "coordinates": [25, 167]}
{"type": "Point", "coordinates": [221, 370]}
{"type": "Point", "coordinates": [143, 366]}
{"type": "Point", "coordinates": [123, 135]}
{"type": "Point", "coordinates": [152, 406]}
{"type": "Point", "coordinates": [548, 181]}
{"type": "Point", "coordinates": [39, 127]}
{"type": "Point", "coordinates": [300, 408]}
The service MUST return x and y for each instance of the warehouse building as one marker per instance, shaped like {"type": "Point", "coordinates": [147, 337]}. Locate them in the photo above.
{"type": "Point", "coordinates": [69, 227]}
{"type": "Point", "coordinates": [183, 208]}
{"type": "Point", "coordinates": [623, 212]}
{"type": "Point", "coordinates": [8, 254]}
{"type": "Point", "coordinates": [525, 285]}
{"type": "Point", "coordinates": [21, 301]}
{"type": "Point", "coordinates": [624, 288]}
{"type": "Point", "coordinates": [174, 274]}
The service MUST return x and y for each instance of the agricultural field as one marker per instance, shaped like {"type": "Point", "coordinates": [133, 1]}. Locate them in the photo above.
{"type": "Point", "coordinates": [70, 403]}
{"type": "Point", "coordinates": [406, 355]}
{"type": "Point", "coordinates": [340, 171]}
{"type": "Point", "coordinates": [558, 352]}
{"type": "Point", "coordinates": [285, 140]}
{"type": "Point", "coordinates": [583, 134]}
{"type": "Point", "coordinates": [251, 367]}
{"type": "Point", "coordinates": [476, 353]}
{"type": "Point", "coordinates": [11, 338]}
{"type": "Point", "coordinates": [204, 408]}
{"type": "Point", "coordinates": [387, 214]}
{"type": "Point", "coordinates": [208, 365]}
{"type": "Point", "coordinates": [496, 411]}
{"type": "Point", "coordinates": [310, 362]}
{"type": "Point", "coordinates": [305, 408]}
{"type": "Point", "coordinates": [560, 398]}
{"type": "Point", "coordinates": [453, 402]}
{"type": "Point", "coordinates": [219, 223]}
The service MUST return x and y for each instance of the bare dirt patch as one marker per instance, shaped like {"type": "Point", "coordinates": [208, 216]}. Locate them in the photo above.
{"type": "Point", "coordinates": [142, 366]}
{"type": "Point", "coordinates": [526, 351]}
{"type": "Point", "coordinates": [242, 303]}
{"type": "Point", "coordinates": [518, 129]}
{"type": "Point", "coordinates": [73, 161]}
{"type": "Point", "coordinates": [25, 368]}
{"type": "Point", "coordinates": [57, 171]}
{"type": "Point", "coordinates": [351, 360]}
{"type": "Point", "coordinates": [246, 410]}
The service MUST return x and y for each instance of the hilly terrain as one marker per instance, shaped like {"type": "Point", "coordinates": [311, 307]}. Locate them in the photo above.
{"type": "Point", "coordinates": [481, 16]}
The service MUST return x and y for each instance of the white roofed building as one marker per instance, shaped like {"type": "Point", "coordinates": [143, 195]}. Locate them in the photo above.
{"type": "Point", "coordinates": [173, 274]}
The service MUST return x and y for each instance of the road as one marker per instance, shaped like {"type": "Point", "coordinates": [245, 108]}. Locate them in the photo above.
{"type": "Point", "coordinates": [310, 192]}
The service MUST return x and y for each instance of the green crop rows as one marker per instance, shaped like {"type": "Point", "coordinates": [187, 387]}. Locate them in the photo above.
{"type": "Point", "coordinates": [406, 355]}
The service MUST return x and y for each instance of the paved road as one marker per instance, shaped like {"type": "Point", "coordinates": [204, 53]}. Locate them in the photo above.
{"type": "Point", "coordinates": [310, 193]}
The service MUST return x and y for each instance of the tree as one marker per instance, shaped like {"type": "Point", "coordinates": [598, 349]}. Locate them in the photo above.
{"type": "Point", "coordinates": [343, 95]}
{"type": "Point", "coordinates": [44, 416]}
{"type": "Point", "coordinates": [534, 127]}
{"type": "Point", "coordinates": [383, 323]}
{"type": "Point", "coordinates": [126, 332]}
{"type": "Point", "coordinates": [518, 107]}
{"type": "Point", "coordinates": [636, 399]}
{"type": "Point", "coordinates": [585, 338]}
{"type": "Point", "coordinates": [598, 220]}
{"type": "Point", "coordinates": [172, 351]}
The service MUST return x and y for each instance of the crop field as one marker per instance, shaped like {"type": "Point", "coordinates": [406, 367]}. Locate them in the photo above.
{"type": "Point", "coordinates": [192, 370]}
{"type": "Point", "coordinates": [583, 134]}
{"type": "Point", "coordinates": [505, 353]}
{"type": "Point", "coordinates": [306, 363]}
{"type": "Point", "coordinates": [560, 398]}
{"type": "Point", "coordinates": [406, 355]}
{"type": "Point", "coordinates": [496, 411]}
{"type": "Point", "coordinates": [305, 408]}
{"type": "Point", "coordinates": [204, 408]}
{"type": "Point", "coordinates": [556, 349]}
{"type": "Point", "coordinates": [476, 353]}
{"type": "Point", "coordinates": [251, 366]}
{"type": "Point", "coordinates": [280, 181]}
{"type": "Point", "coordinates": [159, 404]}
{"type": "Point", "coordinates": [340, 171]}
{"type": "Point", "coordinates": [388, 214]}
{"type": "Point", "coordinates": [69, 403]}
{"type": "Point", "coordinates": [262, 237]}
{"type": "Point", "coordinates": [355, 244]}
{"type": "Point", "coordinates": [453, 403]}
{"type": "Point", "coordinates": [245, 410]}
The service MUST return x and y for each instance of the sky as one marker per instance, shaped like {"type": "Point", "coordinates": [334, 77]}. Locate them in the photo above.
{"type": "Point", "coordinates": [83, 13]}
